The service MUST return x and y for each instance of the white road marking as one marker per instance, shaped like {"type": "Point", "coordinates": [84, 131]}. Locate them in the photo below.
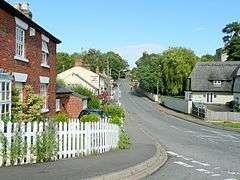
{"type": "Point", "coordinates": [216, 175]}
{"type": "Point", "coordinates": [204, 171]}
{"type": "Point", "coordinates": [187, 159]}
{"type": "Point", "coordinates": [172, 153]}
{"type": "Point", "coordinates": [216, 168]}
{"type": "Point", "coordinates": [183, 164]}
{"type": "Point", "coordinates": [189, 132]}
{"type": "Point", "coordinates": [175, 127]}
{"type": "Point", "coordinates": [203, 164]}
{"type": "Point", "coordinates": [231, 179]}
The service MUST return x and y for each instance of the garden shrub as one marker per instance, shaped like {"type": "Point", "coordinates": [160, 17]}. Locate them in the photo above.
{"type": "Point", "coordinates": [46, 145]}
{"type": "Point", "coordinates": [116, 120]}
{"type": "Point", "coordinates": [124, 140]}
{"type": "Point", "coordinates": [61, 117]}
{"type": "Point", "coordinates": [113, 111]}
{"type": "Point", "coordinates": [90, 118]}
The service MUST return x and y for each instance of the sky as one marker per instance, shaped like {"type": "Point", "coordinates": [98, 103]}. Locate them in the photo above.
{"type": "Point", "coordinates": [130, 27]}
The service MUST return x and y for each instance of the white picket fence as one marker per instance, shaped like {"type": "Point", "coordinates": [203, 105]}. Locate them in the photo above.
{"type": "Point", "coordinates": [74, 138]}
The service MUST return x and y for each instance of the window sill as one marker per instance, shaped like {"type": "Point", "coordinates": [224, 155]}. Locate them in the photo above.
{"type": "Point", "coordinates": [19, 58]}
{"type": "Point", "coordinates": [45, 65]}
{"type": "Point", "coordinates": [45, 110]}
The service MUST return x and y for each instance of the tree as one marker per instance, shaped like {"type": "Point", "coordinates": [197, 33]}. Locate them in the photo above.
{"type": "Point", "coordinates": [207, 57]}
{"type": "Point", "coordinates": [232, 41]}
{"type": "Point", "coordinates": [167, 71]}
{"type": "Point", "coordinates": [64, 61]}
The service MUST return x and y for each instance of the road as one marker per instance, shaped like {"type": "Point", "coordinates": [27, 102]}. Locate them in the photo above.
{"type": "Point", "coordinates": [195, 152]}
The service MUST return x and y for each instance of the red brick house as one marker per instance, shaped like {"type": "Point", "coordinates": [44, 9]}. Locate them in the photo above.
{"type": "Point", "coordinates": [28, 52]}
{"type": "Point", "coordinates": [69, 102]}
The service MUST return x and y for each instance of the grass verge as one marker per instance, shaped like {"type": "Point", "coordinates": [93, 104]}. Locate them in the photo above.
{"type": "Point", "coordinates": [227, 124]}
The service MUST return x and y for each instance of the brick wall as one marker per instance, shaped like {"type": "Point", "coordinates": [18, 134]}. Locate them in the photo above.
{"type": "Point", "coordinates": [72, 105]}
{"type": "Point", "coordinates": [33, 52]}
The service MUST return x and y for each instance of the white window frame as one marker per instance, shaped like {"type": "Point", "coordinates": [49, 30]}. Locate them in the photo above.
{"type": "Point", "coordinates": [45, 52]}
{"type": "Point", "coordinates": [21, 26]}
{"type": "Point", "coordinates": [58, 105]}
{"type": "Point", "coordinates": [5, 98]}
{"type": "Point", "coordinates": [44, 94]}
{"type": "Point", "coordinates": [20, 42]}
{"type": "Point", "coordinates": [217, 83]}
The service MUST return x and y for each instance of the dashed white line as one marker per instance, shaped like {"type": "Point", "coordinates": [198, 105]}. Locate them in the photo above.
{"type": "Point", "coordinates": [183, 164]}
{"type": "Point", "coordinates": [200, 163]}
{"type": "Point", "coordinates": [216, 175]}
{"type": "Point", "coordinates": [204, 171]}
{"type": "Point", "coordinates": [172, 153]}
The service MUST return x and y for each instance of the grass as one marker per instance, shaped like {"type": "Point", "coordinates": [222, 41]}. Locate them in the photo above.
{"type": "Point", "coordinates": [227, 124]}
{"type": "Point", "coordinates": [179, 97]}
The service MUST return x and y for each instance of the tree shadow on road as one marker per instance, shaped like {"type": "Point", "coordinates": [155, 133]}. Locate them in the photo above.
{"type": "Point", "coordinates": [134, 93]}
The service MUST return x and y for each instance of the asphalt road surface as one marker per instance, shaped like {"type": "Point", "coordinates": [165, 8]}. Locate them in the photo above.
{"type": "Point", "coordinates": [195, 152]}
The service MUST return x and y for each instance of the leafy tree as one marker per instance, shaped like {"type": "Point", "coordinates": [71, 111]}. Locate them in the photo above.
{"type": "Point", "coordinates": [232, 41]}
{"type": "Point", "coordinates": [207, 57]}
{"type": "Point", "coordinates": [168, 71]}
{"type": "Point", "coordinates": [93, 58]}
{"type": "Point", "coordinates": [64, 61]}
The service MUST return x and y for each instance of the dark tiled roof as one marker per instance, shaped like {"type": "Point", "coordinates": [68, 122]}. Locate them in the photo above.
{"type": "Point", "coordinates": [63, 90]}
{"type": "Point", "coordinates": [14, 12]}
{"type": "Point", "coordinates": [81, 96]}
{"type": "Point", "coordinates": [204, 73]}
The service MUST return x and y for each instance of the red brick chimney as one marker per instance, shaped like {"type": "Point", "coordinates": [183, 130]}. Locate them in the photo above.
{"type": "Point", "coordinates": [78, 63]}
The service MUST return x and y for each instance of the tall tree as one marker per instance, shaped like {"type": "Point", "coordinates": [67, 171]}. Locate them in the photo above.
{"type": "Point", "coordinates": [232, 41]}
{"type": "Point", "coordinates": [167, 71]}
{"type": "Point", "coordinates": [207, 57]}
{"type": "Point", "coordinates": [64, 61]}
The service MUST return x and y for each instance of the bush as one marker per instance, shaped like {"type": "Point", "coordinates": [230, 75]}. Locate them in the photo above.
{"type": "Point", "coordinates": [90, 118]}
{"type": "Point", "coordinates": [113, 111]}
{"type": "Point", "coordinates": [83, 91]}
{"type": "Point", "coordinates": [124, 140]}
{"type": "Point", "coordinates": [46, 145]}
{"type": "Point", "coordinates": [116, 120]}
{"type": "Point", "coordinates": [94, 103]}
{"type": "Point", "coordinates": [61, 117]}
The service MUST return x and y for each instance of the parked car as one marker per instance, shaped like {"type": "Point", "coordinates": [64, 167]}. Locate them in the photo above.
{"type": "Point", "coordinates": [90, 111]}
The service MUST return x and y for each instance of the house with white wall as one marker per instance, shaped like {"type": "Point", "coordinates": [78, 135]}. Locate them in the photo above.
{"type": "Point", "coordinates": [236, 89]}
{"type": "Point", "coordinates": [79, 75]}
{"type": "Point", "coordinates": [212, 82]}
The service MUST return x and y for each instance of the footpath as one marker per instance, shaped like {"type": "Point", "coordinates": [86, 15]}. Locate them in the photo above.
{"type": "Point", "coordinates": [143, 158]}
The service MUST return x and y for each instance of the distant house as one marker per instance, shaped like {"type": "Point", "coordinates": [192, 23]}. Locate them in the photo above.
{"type": "Point", "coordinates": [79, 75]}
{"type": "Point", "coordinates": [28, 53]}
{"type": "Point", "coordinates": [236, 89]}
{"type": "Point", "coordinates": [213, 82]}
{"type": "Point", "coordinates": [69, 102]}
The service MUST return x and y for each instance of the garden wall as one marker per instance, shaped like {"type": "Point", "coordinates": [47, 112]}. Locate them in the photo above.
{"type": "Point", "coordinates": [223, 116]}
{"type": "Point", "coordinates": [177, 104]}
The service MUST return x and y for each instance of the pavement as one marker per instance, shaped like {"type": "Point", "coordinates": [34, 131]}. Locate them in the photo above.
{"type": "Point", "coordinates": [143, 148]}
{"type": "Point", "coordinates": [196, 152]}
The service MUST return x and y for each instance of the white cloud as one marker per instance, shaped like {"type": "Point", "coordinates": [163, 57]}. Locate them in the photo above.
{"type": "Point", "coordinates": [133, 52]}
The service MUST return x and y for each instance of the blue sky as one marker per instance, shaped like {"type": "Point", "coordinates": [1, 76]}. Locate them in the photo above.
{"type": "Point", "coordinates": [130, 27]}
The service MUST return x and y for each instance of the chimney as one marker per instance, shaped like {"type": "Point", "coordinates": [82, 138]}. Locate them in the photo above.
{"type": "Point", "coordinates": [24, 9]}
{"type": "Point", "coordinates": [97, 70]}
{"type": "Point", "coordinates": [18, 6]}
{"type": "Point", "coordinates": [78, 63]}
